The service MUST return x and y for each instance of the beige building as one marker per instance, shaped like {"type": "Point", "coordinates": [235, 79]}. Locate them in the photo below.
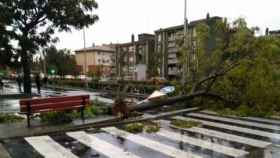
{"type": "Point", "coordinates": [96, 59]}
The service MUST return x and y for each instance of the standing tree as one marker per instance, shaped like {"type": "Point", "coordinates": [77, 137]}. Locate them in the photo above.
{"type": "Point", "coordinates": [62, 61]}
{"type": "Point", "coordinates": [31, 23]}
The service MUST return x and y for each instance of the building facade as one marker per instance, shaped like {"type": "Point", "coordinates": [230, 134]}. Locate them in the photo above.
{"type": "Point", "coordinates": [167, 49]}
{"type": "Point", "coordinates": [275, 33]}
{"type": "Point", "coordinates": [134, 59]}
{"type": "Point", "coordinates": [96, 60]}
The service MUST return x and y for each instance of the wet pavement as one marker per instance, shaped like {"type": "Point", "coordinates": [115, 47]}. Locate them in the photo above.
{"type": "Point", "coordinates": [217, 137]}
{"type": "Point", "coordinates": [206, 141]}
{"type": "Point", "coordinates": [12, 105]}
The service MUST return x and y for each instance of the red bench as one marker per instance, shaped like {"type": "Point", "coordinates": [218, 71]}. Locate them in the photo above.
{"type": "Point", "coordinates": [53, 104]}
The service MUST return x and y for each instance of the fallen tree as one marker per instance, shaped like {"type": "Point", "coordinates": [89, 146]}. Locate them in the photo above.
{"type": "Point", "coordinates": [238, 69]}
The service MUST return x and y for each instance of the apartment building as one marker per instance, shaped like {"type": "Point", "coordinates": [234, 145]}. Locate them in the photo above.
{"type": "Point", "coordinates": [95, 59]}
{"type": "Point", "coordinates": [167, 49]}
{"type": "Point", "coordinates": [134, 59]}
{"type": "Point", "coordinates": [272, 32]}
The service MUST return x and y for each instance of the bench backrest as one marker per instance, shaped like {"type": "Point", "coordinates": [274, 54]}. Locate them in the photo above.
{"type": "Point", "coordinates": [53, 103]}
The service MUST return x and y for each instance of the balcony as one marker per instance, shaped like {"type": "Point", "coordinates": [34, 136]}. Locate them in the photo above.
{"type": "Point", "coordinates": [173, 72]}
{"type": "Point", "coordinates": [172, 56]}
{"type": "Point", "coordinates": [172, 50]}
{"type": "Point", "coordinates": [173, 61]}
{"type": "Point", "coordinates": [171, 44]}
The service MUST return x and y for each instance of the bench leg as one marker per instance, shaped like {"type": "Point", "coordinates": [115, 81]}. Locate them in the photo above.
{"type": "Point", "coordinates": [82, 114]}
{"type": "Point", "coordinates": [28, 120]}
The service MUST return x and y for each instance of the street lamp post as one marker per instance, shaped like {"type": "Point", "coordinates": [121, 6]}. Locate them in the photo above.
{"type": "Point", "coordinates": [85, 58]}
{"type": "Point", "coordinates": [186, 56]}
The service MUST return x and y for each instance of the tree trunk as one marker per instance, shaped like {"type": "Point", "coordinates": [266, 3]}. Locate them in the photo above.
{"type": "Point", "coordinates": [26, 59]}
{"type": "Point", "coordinates": [173, 100]}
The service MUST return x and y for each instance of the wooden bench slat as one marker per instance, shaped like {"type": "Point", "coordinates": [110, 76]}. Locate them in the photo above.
{"type": "Point", "coordinates": [54, 105]}
{"type": "Point", "coordinates": [42, 105]}
{"type": "Point", "coordinates": [52, 99]}
{"type": "Point", "coordinates": [60, 109]}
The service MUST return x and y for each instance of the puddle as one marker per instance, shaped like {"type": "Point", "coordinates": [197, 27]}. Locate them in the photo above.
{"type": "Point", "coordinates": [19, 148]}
{"type": "Point", "coordinates": [77, 148]}
{"type": "Point", "coordinates": [130, 146]}
{"type": "Point", "coordinates": [12, 105]}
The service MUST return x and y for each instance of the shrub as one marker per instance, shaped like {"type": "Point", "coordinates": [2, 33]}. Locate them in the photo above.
{"type": "Point", "coordinates": [8, 118]}
{"type": "Point", "coordinates": [149, 127]}
{"type": "Point", "coordinates": [152, 128]}
{"type": "Point", "coordinates": [57, 117]}
{"type": "Point", "coordinates": [134, 127]}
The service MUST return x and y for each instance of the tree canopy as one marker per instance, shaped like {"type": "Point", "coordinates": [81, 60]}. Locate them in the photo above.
{"type": "Point", "coordinates": [62, 61]}
{"type": "Point", "coordinates": [31, 24]}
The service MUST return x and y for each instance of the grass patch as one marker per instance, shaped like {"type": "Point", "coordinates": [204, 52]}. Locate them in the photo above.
{"type": "Point", "coordinates": [152, 128]}
{"type": "Point", "coordinates": [185, 124]}
{"type": "Point", "coordinates": [148, 127]}
{"type": "Point", "coordinates": [9, 118]}
{"type": "Point", "coordinates": [134, 127]}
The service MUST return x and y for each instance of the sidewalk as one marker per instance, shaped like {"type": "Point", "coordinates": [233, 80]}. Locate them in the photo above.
{"type": "Point", "coordinates": [15, 130]}
{"type": "Point", "coordinates": [3, 152]}
{"type": "Point", "coordinates": [18, 130]}
{"type": "Point", "coordinates": [15, 96]}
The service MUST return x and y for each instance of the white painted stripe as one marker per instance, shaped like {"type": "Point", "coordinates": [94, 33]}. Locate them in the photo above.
{"type": "Point", "coordinates": [229, 120]}
{"type": "Point", "coordinates": [165, 149]}
{"type": "Point", "coordinates": [229, 137]}
{"type": "Point", "coordinates": [264, 120]}
{"type": "Point", "coordinates": [265, 146]}
{"type": "Point", "coordinates": [47, 147]}
{"type": "Point", "coordinates": [233, 128]}
{"type": "Point", "coordinates": [203, 144]}
{"type": "Point", "coordinates": [100, 145]}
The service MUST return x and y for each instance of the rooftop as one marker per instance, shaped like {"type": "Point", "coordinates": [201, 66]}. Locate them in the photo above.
{"type": "Point", "coordinates": [191, 24]}
{"type": "Point", "coordinates": [103, 48]}
{"type": "Point", "coordinates": [274, 32]}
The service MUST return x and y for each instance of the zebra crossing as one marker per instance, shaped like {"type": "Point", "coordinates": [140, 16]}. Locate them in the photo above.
{"type": "Point", "coordinates": [205, 144]}
{"type": "Point", "coordinates": [170, 151]}
{"type": "Point", "coordinates": [221, 137]}
{"type": "Point", "coordinates": [100, 145]}
{"type": "Point", "coordinates": [235, 121]}
{"type": "Point", "coordinates": [49, 148]}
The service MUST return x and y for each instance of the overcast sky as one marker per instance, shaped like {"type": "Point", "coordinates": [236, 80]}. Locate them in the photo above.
{"type": "Point", "coordinates": [121, 18]}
